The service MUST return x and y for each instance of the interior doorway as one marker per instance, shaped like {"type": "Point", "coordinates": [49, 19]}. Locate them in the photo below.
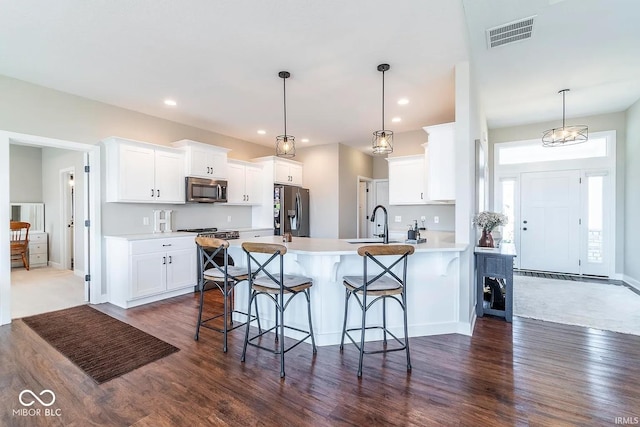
{"type": "Point", "coordinates": [90, 196]}
{"type": "Point", "coordinates": [371, 192]}
{"type": "Point", "coordinates": [67, 218]}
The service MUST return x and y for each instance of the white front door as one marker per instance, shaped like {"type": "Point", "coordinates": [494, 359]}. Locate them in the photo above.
{"type": "Point", "coordinates": [550, 221]}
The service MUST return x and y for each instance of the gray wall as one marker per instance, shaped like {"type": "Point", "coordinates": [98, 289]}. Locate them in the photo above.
{"type": "Point", "coordinates": [602, 122]}
{"type": "Point", "coordinates": [632, 195]}
{"type": "Point", "coordinates": [32, 109]}
{"type": "Point", "coordinates": [320, 175]}
{"type": "Point", "coordinates": [53, 161]}
{"type": "Point", "coordinates": [25, 174]}
{"type": "Point", "coordinates": [352, 164]}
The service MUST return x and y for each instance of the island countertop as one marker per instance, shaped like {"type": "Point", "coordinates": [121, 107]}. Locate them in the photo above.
{"type": "Point", "coordinates": [437, 241]}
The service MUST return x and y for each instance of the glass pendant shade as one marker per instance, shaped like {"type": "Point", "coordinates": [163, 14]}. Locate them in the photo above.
{"type": "Point", "coordinates": [565, 135]}
{"type": "Point", "coordinates": [285, 144]}
{"type": "Point", "coordinates": [382, 142]}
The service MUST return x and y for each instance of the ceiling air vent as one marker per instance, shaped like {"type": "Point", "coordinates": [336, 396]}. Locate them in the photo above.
{"type": "Point", "coordinates": [510, 32]}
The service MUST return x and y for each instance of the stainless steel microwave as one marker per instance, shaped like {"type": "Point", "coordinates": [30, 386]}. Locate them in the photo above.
{"type": "Point", "coordinates": [203, 190]}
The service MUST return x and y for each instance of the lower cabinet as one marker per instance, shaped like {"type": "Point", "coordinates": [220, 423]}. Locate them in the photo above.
{"type": "Point", "coordinates": [142, 270]}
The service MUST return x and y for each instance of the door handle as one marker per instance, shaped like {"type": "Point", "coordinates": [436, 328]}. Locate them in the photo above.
{"type": "Point", "coordinates": [524, 221]}
{"type": "Point", "coordinates": [524, 229]}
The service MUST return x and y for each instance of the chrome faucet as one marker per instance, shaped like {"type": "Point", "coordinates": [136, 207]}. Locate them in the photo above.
{"type": "Point", "coordinates": [385, 236]}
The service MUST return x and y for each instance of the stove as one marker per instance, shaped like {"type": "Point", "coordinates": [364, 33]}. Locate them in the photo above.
{"type": "Point", "coordinates": [214, 232]}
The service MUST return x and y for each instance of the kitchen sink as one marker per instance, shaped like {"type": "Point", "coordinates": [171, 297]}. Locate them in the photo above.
{"type": "Point", "coordinates": [368, 240]}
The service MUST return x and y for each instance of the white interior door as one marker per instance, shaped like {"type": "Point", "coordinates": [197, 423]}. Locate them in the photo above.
{"type": "Point", "coordinates": [550, 221]}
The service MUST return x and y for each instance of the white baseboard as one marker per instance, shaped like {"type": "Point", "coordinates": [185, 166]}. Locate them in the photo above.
{"type": "Point", "coordinates": [631, 281]}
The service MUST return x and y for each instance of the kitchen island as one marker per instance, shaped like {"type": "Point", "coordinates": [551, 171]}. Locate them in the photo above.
{"type": "Point", "coordinates": [433, 286]}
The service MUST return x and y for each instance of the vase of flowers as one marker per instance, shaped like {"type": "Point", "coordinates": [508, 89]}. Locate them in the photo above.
{"type": "Point", "coordinates": [488, 221]}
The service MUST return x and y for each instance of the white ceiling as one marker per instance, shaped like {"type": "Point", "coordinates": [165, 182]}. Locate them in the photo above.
{"type": "Point", "coordinates": [220, 59]}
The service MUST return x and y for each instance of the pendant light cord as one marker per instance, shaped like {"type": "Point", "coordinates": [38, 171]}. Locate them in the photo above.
{"type": "Point", "coordinates": [563, 108]}
{"type": "Point", "coordinates": [383, 101]}
{"type": "Point", "coordinates": [284, 91]}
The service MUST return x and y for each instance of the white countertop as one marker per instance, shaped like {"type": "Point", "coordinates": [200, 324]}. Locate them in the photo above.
{"type": "Point", "coordinates": [147, 236]}
{"type": "Point", "coordinates": [436, 242]}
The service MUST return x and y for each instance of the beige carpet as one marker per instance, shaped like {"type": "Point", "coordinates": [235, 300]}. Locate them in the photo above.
{"type": "Point", "coordinates": [596, 305]}
{"type": "Point", "coordinates": [41, 290]}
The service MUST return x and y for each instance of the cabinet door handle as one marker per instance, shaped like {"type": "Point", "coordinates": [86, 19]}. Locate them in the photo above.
{"type": "Point", "coordinates": [247, 197]}
{"type": "Point", "coordinates": [158, 192]}
{"type": "Point", "coordinates": [421, 197]}
{"type": "Point", "coordinates": [170, 259]}
{"type": "Point", "coordinates": [211, 170]}
{"type": "Point", "coordinates": [524, 229]}
{"type": "Point", "coordinates": [152, 193]}
{"type": "Point", "coordinates": [164, 260]}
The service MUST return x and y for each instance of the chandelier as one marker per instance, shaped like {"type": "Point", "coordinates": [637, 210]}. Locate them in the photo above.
{"type": "Point", "coordinates": [565, 135]}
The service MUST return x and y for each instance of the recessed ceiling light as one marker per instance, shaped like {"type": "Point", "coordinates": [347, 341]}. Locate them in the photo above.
{"type": "Point", "coordinates": [403, 101]}
{"type": "Point", "coordinates": [305, 140]}
{"type": "Point", "coordinates": [396, 119]}
{"type": "Point", "coordinates": [170, 102]}
{"type": "Point", "coordinates": [262, 132]}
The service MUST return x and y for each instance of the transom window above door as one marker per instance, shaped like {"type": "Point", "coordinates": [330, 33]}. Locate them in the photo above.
{"type": "Point", "coordinates": [534, 152]}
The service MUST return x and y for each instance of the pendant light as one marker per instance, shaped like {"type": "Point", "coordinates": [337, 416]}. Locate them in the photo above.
{"type": "Point", "coordinates": [566, 135]}
{"type": "Point", "coordinates": [382, 139]}
{"type": "Point", "coordinates": [285, 144]}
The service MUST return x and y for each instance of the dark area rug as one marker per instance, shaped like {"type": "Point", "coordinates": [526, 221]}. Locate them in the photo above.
{"type": "Point", "coordinates": [100, 345]}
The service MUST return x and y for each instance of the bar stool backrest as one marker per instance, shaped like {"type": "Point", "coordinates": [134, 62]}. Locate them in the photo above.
{"type": "Point", "coordinates": [208, 249]}
{"type": "Point", "coordinates": [370, 254]}
{"type": "Point", "coordinates": [276, 251]}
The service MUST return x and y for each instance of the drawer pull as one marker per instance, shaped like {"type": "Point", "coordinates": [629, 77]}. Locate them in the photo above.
{"type": "Point", "coordinates": [166, 244]}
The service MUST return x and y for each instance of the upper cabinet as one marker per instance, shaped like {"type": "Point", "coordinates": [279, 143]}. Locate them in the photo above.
{"type": "Point", "coordinates": [138, 172]}
{"type": "Point", "coordinates": [203, 160]}
{"type": "Point", "coordinates": [440, 162]}
{"type": "Point", "coordinates": [287, 172]}
{"type": "Point", "coordinates": [407, 180]}
{"type": "Point", "coordinates": [244, 183]}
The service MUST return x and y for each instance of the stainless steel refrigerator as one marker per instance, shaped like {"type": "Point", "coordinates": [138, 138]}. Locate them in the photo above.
{"type": "Point", "coordinates": [291, 210]}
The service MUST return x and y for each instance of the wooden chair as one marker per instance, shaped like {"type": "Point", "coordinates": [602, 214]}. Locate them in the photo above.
{"type": "Point", "coordinates": [225, 277]}
{"type": "Point", "coordinates": [276, 286]}
{"type": "Point", "coordinates": [20, 241]}
{"type": "Point", "coordinates": [381, 283]}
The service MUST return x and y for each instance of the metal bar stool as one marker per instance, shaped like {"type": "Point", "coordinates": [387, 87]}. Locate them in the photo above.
{"type": "Point", "coordinates": [381, 283]}
{"type": "Point", "coordinates": [275, 286]}
{"type": "Point", "coordinates": [225, 277]}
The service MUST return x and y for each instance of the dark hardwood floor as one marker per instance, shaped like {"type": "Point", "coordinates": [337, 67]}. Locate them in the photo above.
{"type": "Point", "coordinates": [526, 373]}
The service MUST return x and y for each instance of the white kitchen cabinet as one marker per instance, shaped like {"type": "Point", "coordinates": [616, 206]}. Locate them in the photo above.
{"type": "Point", "coordinates": [203, 160]}
{"type": "Point", "coordinates": [440, 162]}
{"type": "Point", "coordinates": [138, 172]}
{"type": "Point", "coordinates": [407, 180]}
{"type": "Point", "coordinates": [244, 183]}
{"type": "Point", "coordinates": [287, 172]}
{"type": "Point", "coordinates": [256, 232]}
{"type": "Point", "coordinates": [143, 270]}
